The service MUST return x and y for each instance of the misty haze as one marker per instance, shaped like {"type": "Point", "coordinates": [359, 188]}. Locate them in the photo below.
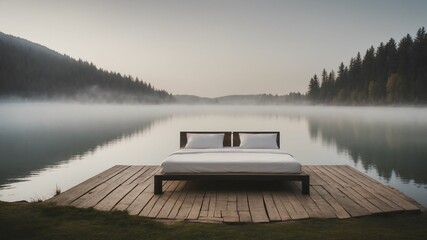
{"type": "Point", "coordinates": [154, 119]}
{"type": "Point", "coordinates": [47, 144]}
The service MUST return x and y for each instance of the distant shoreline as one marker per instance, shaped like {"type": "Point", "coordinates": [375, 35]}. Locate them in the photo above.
{"type": "Point", "coordinates": [13, 100]}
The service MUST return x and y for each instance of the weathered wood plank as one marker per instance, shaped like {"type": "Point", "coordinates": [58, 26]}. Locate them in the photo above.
{"type": "Point", "coordinates": [141, 201]}
{"type": "Point", "coordinates": [221, 203]}
{"type": "Point", "coordinates": [205, 203]}
{"type": "Point", "coordinates": [272, 212]}
{"type": "Point", "coordinates": [120, 192]}
{"type": "Point", "coordinates": [232, 202]}
{"type": "Point", "coordinates": [336, 191]}
{"type": "Point", "coordinates": [153, 200]}
{"type": "Point", "coordinates": [326, 211]}
{"type": "Point", "coordinates": [204, 211]}
{"type": "Point", "coordinates": [352, 207]}
{"type": "Point", "coordinates": [370, 185]}
{"type": "Point", "coordinates": [334, 171]}
{"type": "Point", "coordinates": [314, 179]}
{"type": "Point", "coordinates": [360, 185]}
{"type": "Point", "coordinates": [299, 211]}
{"type": "Point", "coordinates": [325, 178]}
{"type": "Point", "coordinates": [212, 205]}
{"type": "Point", "coordinates": [334, 188]}
{"type": "Point", "coordinates": [256, 207]}
{"type": "Point", "coordinates": [339, 211]}
{"type": "Point", "coordinates": [230, 216]}
{"type": "Point", "coordinates": [170, 203]}
{"type": "Point", "coordinates": [330, 178]}
{"type": "Point", "coordinates": [67, 197]}
{"type": "Point", "coordinates": [161, 201]}
{"type": "Point", "coordinates": [177, 206]}
{"type": "Point", "coordinates": [407, 198]}
{"type": "Point", "coordinates": [242, 201]}
{"type": "Point", "coordinates": [281, 209]}
{"type": "Point", "coordinates": [94, 196]}
{"type": "Point", "coordinates": [355, 196]}
{"type": "Point", "coordinates": [136, 206]}
{"type": "Point", "coordinates": [364, 187]}
{"type": "Point", "coordinates": [244, 216]}
{"type": "Point", "coordinates": [186, 205]}
{"type": "Point", "coordinates": [131, 197]}
{"type": "Point", "coordinates": [283, 198]}
{"type": "Point", "coordinates": [114, 197]}
{"type": "Point", "coordinates": [387, 192]}
{"type": "Point", "coordinates": [243, 207]}
{"type": "Point", "coordinates": [373, 199]}
{"type": "Point", "coordinates": [309, 205]}
{"type": "Point", "coordinates": [210, 219]}
{"type": "Point", "coordinates": [340, 171]}
{"type": "Point", "coordinates": [197, 205]}
{"type": "Point", "coordinates": [148, 175]}
{"type": "Point", "coordinates": [124, 203]}
{"type": "Point", "coordinates": [145, 171]}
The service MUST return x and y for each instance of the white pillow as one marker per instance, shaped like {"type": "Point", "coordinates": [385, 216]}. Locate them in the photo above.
{"type": "Point", "coordinates": [264, 141]}
{"type": "Point", "coordinates": [199, 140]}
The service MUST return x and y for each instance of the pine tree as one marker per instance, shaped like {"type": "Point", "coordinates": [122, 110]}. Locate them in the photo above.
{"type": "Point", "coordinates": [368, 70]}
{"type": "Point", "coordinates": [390, 74]}
{"type": "Point", "coordinates": [323, 86]}
{"type": "Point", "coordinates": [404, 66]}
{"type": "Point", "coordinates": [314, 89]}
{"type": "Point", "coordinates": [420, 65]}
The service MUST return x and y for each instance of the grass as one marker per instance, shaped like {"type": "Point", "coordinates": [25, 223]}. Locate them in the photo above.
{"type": "Point", "coordinates": [45, 221]}
{"type": "Point", "coordinates": [57, 191]}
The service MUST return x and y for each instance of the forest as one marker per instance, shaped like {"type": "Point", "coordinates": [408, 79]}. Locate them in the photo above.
{"type": "Point", "coordinates": [392, 73]}
{"type": "Point", "coordinates": [32, 71]}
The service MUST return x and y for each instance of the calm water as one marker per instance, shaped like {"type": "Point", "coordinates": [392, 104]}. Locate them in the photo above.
{"type": "Point", "coordinates": [45, 145]}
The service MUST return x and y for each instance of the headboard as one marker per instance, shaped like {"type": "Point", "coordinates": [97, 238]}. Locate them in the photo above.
{"type": "Point", "coordinates": [183, 138]}
{"type": "Point", "coordinates": [236, 138]}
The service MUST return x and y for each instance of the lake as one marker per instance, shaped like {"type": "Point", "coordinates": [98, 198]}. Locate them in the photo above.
{"type": "Point", "coordinates": [49, 145]}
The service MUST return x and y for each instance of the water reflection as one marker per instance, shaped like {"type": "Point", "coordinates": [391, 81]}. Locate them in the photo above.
{"type": "Point", "coordinates": [33, 140]}
{"type": "Point", "coordinates": [389, 147]}
{"type": "Point", "coordinates": [46, 144]}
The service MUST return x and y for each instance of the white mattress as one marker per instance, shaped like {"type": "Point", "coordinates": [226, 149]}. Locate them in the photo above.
{"type": "Point", "coordinates": [230, 160]}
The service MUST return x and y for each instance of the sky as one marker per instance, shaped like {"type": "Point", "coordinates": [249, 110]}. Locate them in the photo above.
{"type": "Point", "coordinates": [214, 48]}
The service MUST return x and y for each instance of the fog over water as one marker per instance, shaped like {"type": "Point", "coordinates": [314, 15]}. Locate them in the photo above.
{"type": "Point", "coordinates": [47, 144]}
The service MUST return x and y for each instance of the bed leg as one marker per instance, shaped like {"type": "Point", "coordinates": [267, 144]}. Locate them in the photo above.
{"type": "Point", "coordinates": [306, 185]}
{"type": "Point", "coordinates": [158, 182]}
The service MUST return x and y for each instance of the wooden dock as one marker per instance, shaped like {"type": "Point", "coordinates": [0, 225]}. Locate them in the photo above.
{"type": "Point", "coordinates": [337, 191]}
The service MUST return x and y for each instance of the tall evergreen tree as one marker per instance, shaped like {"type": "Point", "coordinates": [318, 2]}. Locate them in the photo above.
{"type": "Point", "coordinates": [404, 66]}
{"type": "Point", "coordinates": [314, 89]}
{"type": "Point", "coordinates": [368, 71]}
{"type": "Point", "coordinates": [393, 73]}
{"type": "Point", "coordinates": [420, 65]}
{"type": "Point", "coordinates": [323, 86]}
{"type": "Point", "coordinates": [391, 56]}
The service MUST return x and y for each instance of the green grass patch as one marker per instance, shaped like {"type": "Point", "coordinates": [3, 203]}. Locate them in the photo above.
{"type": "Point", "coordinates": [45, 221]}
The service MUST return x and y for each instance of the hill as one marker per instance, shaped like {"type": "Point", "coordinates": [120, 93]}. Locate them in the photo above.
{"type": "Point", "coordinates": [32, 71]}
{"type": "Point", "coordinates": [192, 99]}
{"type": "Point", "coordinates": [254, 99]}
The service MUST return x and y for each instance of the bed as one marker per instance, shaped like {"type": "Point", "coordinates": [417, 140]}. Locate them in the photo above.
{"type": "Point", "coordinates": [231, 162]}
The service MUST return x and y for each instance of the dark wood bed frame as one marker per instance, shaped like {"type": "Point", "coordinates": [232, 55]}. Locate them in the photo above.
{"type": "Point", "coordinates": [302, 177]}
